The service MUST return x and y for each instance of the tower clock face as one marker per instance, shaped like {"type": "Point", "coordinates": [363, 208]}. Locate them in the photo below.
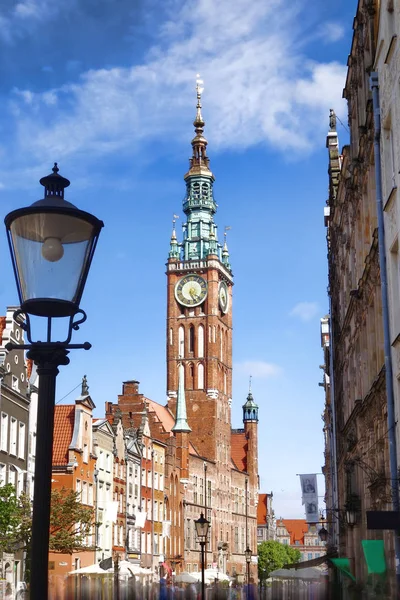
{"type": "Point", "coordinates": [223, 297]}
{"type": "Point", "coordinates": [191, 290]}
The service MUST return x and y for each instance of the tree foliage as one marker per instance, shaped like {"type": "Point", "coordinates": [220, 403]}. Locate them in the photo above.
{"type": "Point", "coordinates": [70, 521]}
{"type": "Point", "coordinates": [273, 555]}
{"type": "Point", "coordinates": [9, 517]}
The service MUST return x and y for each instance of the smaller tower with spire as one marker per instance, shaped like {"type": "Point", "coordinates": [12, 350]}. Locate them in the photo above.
{"type": "Point", "coordinates": [181, 427]}
{"type": "Point", "coordinates": [250, 421]}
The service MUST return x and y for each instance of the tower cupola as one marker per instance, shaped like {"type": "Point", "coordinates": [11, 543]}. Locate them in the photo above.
{"type": "Point", "coordinates": [250, 408]}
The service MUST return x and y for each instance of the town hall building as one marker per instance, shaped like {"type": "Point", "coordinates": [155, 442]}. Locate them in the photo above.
{"type": "Point", "coordinates": [210, 467]}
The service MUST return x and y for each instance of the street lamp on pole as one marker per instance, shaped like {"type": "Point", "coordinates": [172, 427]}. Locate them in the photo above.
{"type": "Point", "coordinates": [52, 244]}
{"type": "Point", "coordinates": [248, 555]}
{"type": "Point", "coordinates": [202, 526]}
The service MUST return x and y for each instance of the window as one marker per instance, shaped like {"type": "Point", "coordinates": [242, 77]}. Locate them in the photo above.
{"type": "Point", "coordinates": [236, 539]}
{"type": "Point", "coordinates": [297, 543]}
{"type": "Point", "coordinates": [389, 160]}
{"type": "Point", "coordinates": [15, 383]}
{"type": "Point", "coordinates": [108, 463]}
{"type": "Point", "coordinates": [201, 491]}
{"type": "Point", "coordinates": [191, 338]}
{"type": "Point", "coordinates": [78, 486]}
{"type": "Point", "coordinates": [90, 495]}
{"type": "Point", "coordinates": [200, 377]}
{"type": "Point", "coordinates": [21, 440]}
{"type": "Point", "coordinates": [85, 453]}
{"type": "Point", "coordinates": [2, 474]}
{"type": "Point", "coordinates": [208, 493]}
{"type": "Point", "coordinates": [84, 492]}
{"type": "Point", "coordinates": [309, 555]}
{"type": "Point", "coordinates": [200, 342]}
{"type": "Point", "coordinates": [12, 475]}
{"type": "Point", "coordinates": [195, 489]}
{"type": "Point", "coordinates": [144, 477]}
{"type": "Point", "coordinates": [156, 480]}
{"type": "Point", "coordinates": [13, 436]}
{"type": "Point", "coordinates": [149, 479]}
{"type": "Point", "coordinates": [181, 340]}
{"type": "Point", "coordinates": [4, 431]}
{"type": "Point", "coordinates": [161, 482]}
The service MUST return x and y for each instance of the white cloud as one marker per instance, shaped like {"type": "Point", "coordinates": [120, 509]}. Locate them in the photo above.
{"type": "Point", "coordinates": [332, 32]}
{"type": "Point", "coordinates": [28, 13]}
{"type": "Point", "coordinates": [305, 311]}
{"type": "Point", "coordinates": [259, 88]}
{"type": "Point", "coordinates": [258, 368]}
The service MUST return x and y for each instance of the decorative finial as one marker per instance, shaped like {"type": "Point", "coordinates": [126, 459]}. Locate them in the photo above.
{"type": "Point", "coordinates": [54, 184]}
{"type": "Point", "coordinates": [332, 120]}
{"type": "Point", "coordinates": [55, 169]}
{"type": "Point", "coordinates": [250, 378]}
{"type": "Point", "coordinates": [85, 387]}
{"type": "Point", "coordinates": [199, 122]}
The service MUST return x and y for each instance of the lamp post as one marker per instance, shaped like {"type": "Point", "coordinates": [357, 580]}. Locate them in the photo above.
{"type": "Point", "coordinates": [248, 555]}
{"type": "Point", "coordinates": [52, 244]}
{"type": "Point", "coordinates": [202, 526]}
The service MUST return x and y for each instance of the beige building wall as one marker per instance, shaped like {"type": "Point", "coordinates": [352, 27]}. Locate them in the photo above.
{"type": "Point", "coordinates": [387, 65]}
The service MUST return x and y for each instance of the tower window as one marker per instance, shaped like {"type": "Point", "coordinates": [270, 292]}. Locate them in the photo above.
{"type": "Point", "coordinates": [181, 336]}
{"type": "Point", "coordinates": [191, 377]}
{"type": "Point", "coordinates": [200, 377]}
{"type": "Point", "coordinates": [200, 342]}
{"type": "Point", "coordinates": [191, 338]}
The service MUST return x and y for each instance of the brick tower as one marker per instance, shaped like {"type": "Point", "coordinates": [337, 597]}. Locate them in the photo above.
{"type": "Point", "coordinates": [199, 310]}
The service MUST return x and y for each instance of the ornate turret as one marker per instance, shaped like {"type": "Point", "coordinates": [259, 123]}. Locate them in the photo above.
{"type": "Point", "coordinates": [200, 236]}
{"type": "Point", "coordinates": [225, 253]}
{"type": "Point", "coordinates": [174, 245]}
{"type": "Point", "coordinates": [250, 408]}
{"type": "Point", "coordinates": [181, 424]}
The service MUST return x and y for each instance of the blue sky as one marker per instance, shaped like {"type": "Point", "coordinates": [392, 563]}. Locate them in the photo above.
{"type": "Point", "coordinates": [107, 90]}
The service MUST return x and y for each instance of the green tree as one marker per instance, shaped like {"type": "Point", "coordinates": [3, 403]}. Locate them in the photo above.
{"type": "Point", "coordinates": [273, 555]}
{"type": "Point", "coordinates": [70, 522]}
{"type": "Point", "coordinates": [9, 517]}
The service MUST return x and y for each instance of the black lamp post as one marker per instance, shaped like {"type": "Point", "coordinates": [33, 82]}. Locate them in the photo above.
{"type": "Point", "coordinates": [202, 526]}
{"type": "Point", "coordinates": [52, 245]}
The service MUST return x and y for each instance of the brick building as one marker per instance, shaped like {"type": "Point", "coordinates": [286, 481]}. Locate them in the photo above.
{"type": "Point", "coordinates": [210, 467]}
{"type": "Point", "coordinates": [301, 536]}
{"type": "Point", "coordinates": [73, 468]}
{"type": "Point", "coordinates": [266, 522]}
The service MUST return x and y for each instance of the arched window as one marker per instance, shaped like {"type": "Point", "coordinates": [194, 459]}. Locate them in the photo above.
{"type": "Point", "coordinates": [190, 377]}
{"type": "Point", "coordinates": [221, 337]}
{"type": "Point", "coordinates": [171, 336]}
{"type": "Point", "coordinates": [200, 342]}
{"type": "Point", "coordinates": [200, 377]}
{"type": "Point", "coordinates": [191, 338]}
{"type": "Point", "coordinates": [181, 338]}
{"type": "Point", "coordinates": [224, 383]}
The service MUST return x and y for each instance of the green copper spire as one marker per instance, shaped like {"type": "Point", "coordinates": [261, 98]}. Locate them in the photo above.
{"type": "Point", "coordinates": [225, 254]}
{"type": "Point", "coordinates": [174, 246]}
{"type": "Point", "coordinates": [181, 423]}
{"type": "Point", "coordinates": [250, 408]}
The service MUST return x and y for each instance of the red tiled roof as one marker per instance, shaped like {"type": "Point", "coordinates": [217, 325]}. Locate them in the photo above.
{"type": "Point", "coordinates": [165, 417]}
{"type": "Point", "coordinates": [2, 327]}
{"type": "Point", "coordinates": [262, 510]}
{"type": "Point", "coordinates": [296, 529]}
{"type": "Point", "coordinates": [64, 417]}
{"type": "Point", "coordinates": [239, 450]}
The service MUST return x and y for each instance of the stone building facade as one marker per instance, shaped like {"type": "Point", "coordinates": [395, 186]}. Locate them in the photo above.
{"type": "Point", "coordinates": [14, 427]}
{"type": "Point", "coordinates": [301, 536]}
{"type": "Point", "coordinates": [266, 521]}
{"type": "Point", "coordinates": [357, 374]}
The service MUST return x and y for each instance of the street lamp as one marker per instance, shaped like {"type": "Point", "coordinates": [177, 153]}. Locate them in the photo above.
{"type": "Point", "coordinates": [248, 555]}
{"type": "Point", "coordinates": [352, 508]}
{"type": "Point", "coordinates": [52, 245]}
{"type": "Point", "coordinates": [323, 534]}
{"type": "Point", "coordinates": [202, 526]}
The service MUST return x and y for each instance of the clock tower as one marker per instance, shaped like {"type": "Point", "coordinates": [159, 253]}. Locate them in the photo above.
{"type": "Point", "coordinates": [199, 310]}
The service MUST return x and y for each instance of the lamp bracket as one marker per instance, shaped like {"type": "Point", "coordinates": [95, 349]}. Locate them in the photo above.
{"type": "Point", "coordinates": [23, 320]}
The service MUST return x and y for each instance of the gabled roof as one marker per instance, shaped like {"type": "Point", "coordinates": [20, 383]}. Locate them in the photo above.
{"type": "Point", "coordinates": [102, 424]}
{"type": "Point", "coordinates": [239, 450]}
{"type": "Point", "coordinates": [166, 418]}
{"type": "Point", "coordinates": [262, 509]}
{"type": "Point", "coordinates": [296, 529]}
{"type": "Point", "coordinates": [64, 417]}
